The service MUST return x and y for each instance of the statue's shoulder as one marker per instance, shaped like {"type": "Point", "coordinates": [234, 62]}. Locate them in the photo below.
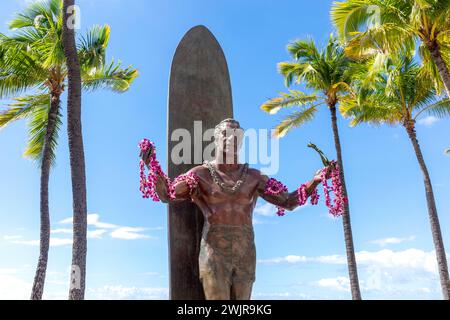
{"type": "Point", "coordinates": [199, 169]}
{"type": "Point", "coordinates": [255, 172]}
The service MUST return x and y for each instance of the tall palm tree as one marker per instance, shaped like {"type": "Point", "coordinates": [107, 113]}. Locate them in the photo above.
{"type": "Point", "coordinates": [387, 25]}
{"type": "Point", "coordinates": [76, 150]}
{"type": "Point", "coordinates": [327, 72]}
{"type": "Point", "coordinates": [33, 73]}
{"type": "Point", "coordinates": [400, 94]}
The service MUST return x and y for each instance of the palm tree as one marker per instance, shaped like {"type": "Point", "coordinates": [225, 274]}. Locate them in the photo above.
{"type": "Point", "coordinates": [400, 94]}
{"type": "Point", "coordinates": [33, 74]}
{"type": "Point", "coordinates": [327, 72]}
{"type": "Point", "coordinates": [77, 163]}
{"type": "Point", "coordinates": [388, 25]}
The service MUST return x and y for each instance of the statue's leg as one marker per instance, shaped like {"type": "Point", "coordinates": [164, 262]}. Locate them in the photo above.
{"type": "Point", "coordinates": [244, 266]}
{"type": "Point", "coordinates": [241, 290]}
{"type": "Point", "coordinates": [215, 265]}
{"type": "Point", "coordinates": [215, 287]}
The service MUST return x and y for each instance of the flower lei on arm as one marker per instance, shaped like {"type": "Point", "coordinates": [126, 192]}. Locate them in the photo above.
{"type": "Point", "coordinates": [274, 187]}
{"type": "Point", "coordinates": [148, 183]}
{"type": "Point", "coordinates": [335, 207]}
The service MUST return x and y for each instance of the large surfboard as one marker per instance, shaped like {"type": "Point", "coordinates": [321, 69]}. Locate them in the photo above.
{"type": "Point", "coordinates": [199, 90]}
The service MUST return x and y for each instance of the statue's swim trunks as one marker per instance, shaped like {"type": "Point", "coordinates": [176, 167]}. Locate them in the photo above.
{"type": "Point", "coordinates": [227, 258]}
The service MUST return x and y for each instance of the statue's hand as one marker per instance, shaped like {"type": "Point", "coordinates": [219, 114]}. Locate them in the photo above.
{"type": "Point", "coordinates": [318, 174]}
{"type": "Point", "coordinates": [145, 156]}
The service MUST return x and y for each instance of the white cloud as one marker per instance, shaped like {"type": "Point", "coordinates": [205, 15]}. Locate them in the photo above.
{"type": "Point", "coordinates": [13, 287]}
{"type": "Point", "coordinates": [151, 274]}
{"type": "Point", "coordinates": [62, 230]}
{"type": "Point", "coordinates": [93, 219]}
{"type": "Point", "coordinates": [15, 237]}
{"type": "Point", "coordinates": [410, 258]}
{"type": "Point", "coordinates": [393, 240]}
{"type": "Point", "coordinates": [266, 210]}
{"type": "Point", "coordinates": [337, 283]}
{"type": "Point", "coordinates": [129, 233]}
{"type": "Point", "coordinates": [119, 292]}
{"type": "Point", "coordinates": [257, 221]}
{"type": "Point", "coordinates": [270, 295]}
{"type": "Point", "coordinates": [406, 274]}
{"type": "Point", "coordinates": [54, 242]}
{"type": "Point", "coordinates": [117, 231]}
{"type": "Point", "coordinates": [269, 210]}
{"type": "Point", "coordinates": [331, 259]}
{"type": "Point", "coordinates": [428, 121]}
{"type": "Point", "coordinates": [96, 234]}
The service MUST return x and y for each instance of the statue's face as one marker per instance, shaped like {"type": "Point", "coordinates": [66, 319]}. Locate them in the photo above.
{"type": "Point", "coordinates": [229, 140]}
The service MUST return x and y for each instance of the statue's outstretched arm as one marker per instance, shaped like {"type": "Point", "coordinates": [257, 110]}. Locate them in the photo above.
{"type": "Point", "coordinates": [276, 193]}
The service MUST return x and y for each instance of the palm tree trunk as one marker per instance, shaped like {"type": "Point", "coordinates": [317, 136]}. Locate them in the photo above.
{"type": "Point", "coordinates": [77, 162]}
{"type": "Point", "coordinates": [433, 47]}
{"type": "Point", "coordinates": [39, 278]}
{"type": "Point", "coordinates": [351, 260]}
{"type": "Point", "coordinates": [432, 213]}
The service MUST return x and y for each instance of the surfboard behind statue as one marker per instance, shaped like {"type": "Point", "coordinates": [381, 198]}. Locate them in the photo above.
{"type": "Point", "coordinates": [199, 90]}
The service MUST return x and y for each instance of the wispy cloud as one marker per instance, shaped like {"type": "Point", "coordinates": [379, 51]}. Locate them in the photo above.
{"type": "Point", "coordinates": [270, 210]}
{"type": "Point", "coordinates": [428, 121]}
{"type": "Point", "coordinates": [387, 274]}
{"type": "Point", "coordinates": [93, 219]}
{"type": "Point", "coordinates": [410, 258]}
{"type": "Point", "coordinates": [115, 231]}
{"type": "Point", "coordinates": [54, 242]}
{"type": "Point", "coordinates": [392, 240]}
{"type": "Point", "coordinates": [14, 237]}
{"type": "Point", "coordinates": [120, 292]}
{"type": "Point", "coordinates": [98, 230]}
{"type": "Point", "coordinates": [337, 283]}
{"type": "Point", "coordinates": [129, 233]}
{"type": "Point", "coordinates": [96, 234]}
{"type": "Point", "coordinates": [266, 210]}
{"type": "Point", "coordinates": [12, 287]}
{"type": "Point", "coordinates": [61, 230]}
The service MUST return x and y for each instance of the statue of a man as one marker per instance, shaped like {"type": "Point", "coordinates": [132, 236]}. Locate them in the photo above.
{"type": "Point", "coordinates": [226, 194]}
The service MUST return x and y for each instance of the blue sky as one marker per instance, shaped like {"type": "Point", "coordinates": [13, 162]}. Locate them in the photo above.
{"type": "Point", "coordinates": [301, 255]}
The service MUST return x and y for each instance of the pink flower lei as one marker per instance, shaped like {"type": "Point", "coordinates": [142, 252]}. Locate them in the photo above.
{"type": "Point", "coordinates": [148, 183]}
{"type": "Point", "coordinates": [274, 187]}
{"type": "Point", "coordinates": [337, 208]}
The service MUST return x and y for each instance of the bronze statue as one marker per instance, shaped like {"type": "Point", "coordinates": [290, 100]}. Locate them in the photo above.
{"type": "Point", "coordinates": [226, 194]}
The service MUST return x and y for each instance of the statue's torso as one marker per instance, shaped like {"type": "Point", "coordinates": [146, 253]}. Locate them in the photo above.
{"type": "Point", "coordinates": [221, 207]}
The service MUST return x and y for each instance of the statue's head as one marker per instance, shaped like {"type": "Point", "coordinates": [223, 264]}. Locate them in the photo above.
{"type": "Point", "coordinates": [228, 136]}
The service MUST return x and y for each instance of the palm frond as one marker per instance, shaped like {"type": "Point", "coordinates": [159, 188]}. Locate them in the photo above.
{"type": "Point", "coordinates": [294, 120]}
{"type": "Point", "coordinates": [21, 108]}
{"type": "Point", "coordinates": [19, 69]}
{"type": "Point", "coordinates": [92, 47]}
{"type": "Point", "coordinates": [349, 16]}
{"type": "Point", "coordinates": [110, 76]}
{"type": "Point", "coordinates": [385, 38]}
{"type": "Point", "coordinates": [294, 70]}
{"type": "Point", "coordinates": [439, 109]}
{"type": "Point", "coordinates": [303, 50]}
{"type": "Point", "coordinates": [371, 106]}
{"type": "Point", "coordinates": [289, 99]}
{"type": "Point", "coordinates": [37, 130]}
{"type": "Point", "coordinates": [38, 13]}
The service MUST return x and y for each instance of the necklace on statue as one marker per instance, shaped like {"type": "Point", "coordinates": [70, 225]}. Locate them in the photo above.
{"type": "Point", "coordinates": [219, 181]}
